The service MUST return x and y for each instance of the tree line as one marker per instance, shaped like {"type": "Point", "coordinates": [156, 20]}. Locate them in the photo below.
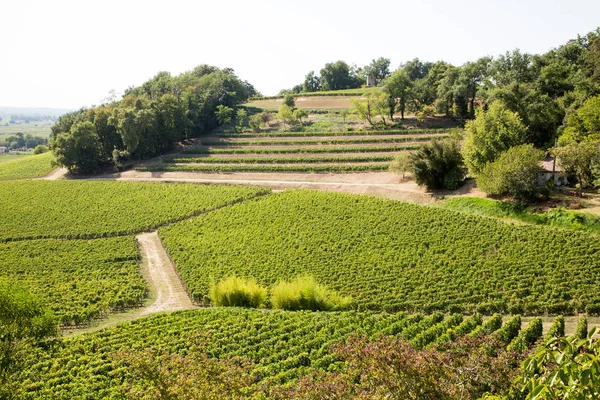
{"type": "Point", "coordinates": [148, 120]}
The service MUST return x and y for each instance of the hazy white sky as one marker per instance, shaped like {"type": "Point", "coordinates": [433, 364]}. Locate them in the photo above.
{"type": "Point", "coordinates": [59, 53]}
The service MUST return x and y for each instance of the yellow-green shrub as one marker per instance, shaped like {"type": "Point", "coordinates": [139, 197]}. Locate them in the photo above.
{"type": "Point", "coordinates": [237, 292]}
{"type": "Point", "coordinates": [304, 293]}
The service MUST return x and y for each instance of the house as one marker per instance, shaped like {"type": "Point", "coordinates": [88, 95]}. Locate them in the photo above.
{"type": "Point", "coordinates": [551, 170]}
{"type": "Point", "coordinates": [3, 149]}
{"type": "Point", "coordinates": [371, 81]}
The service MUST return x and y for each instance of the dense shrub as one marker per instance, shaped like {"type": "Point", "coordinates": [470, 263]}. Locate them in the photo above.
{"type": "Point", "coordinates": [439, 165]}
{"type": "Point", "coordinates": [514, 173]}
{"type": "Point", "coordinates": [304, 293]}
{"type": "Point", "coordinates": [237, 292]}
{"type": "Point", "coordinates": [509, 330]}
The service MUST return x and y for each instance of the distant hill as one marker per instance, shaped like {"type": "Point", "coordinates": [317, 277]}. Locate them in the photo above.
{"type": "Point", "coordinates": [33, 111]}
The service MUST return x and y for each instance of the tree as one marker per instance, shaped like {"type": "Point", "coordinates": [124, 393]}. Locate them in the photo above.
{"type": "Point", "coordinates": [24, 323]}
{"type": "Point", "coordinates": [255, 122]}
{"type": "Point", "coordinates": [489, 134]}
{"type": "Point", "coordinates": [583, 123]}
{"type": "Point", "coordinates": [312, 83]}
{"type": "Point", "coordinates": [78, 149]}
{"type": "Point", "coordinates": [438, 165]}
{"type": "Point", "coordinates": [379, 69]}
{"type": "Point", "coordinates": [40, 148]}
{"type": "Point", "coordinates": [338, 76]}
{"type": "Point", "coordinates": [289, 101]}
{"type": "Point", "coordinates": [370, 107]}
{"type": "Point", "coordinates": [286, 115]}
{"type": "Point", "coordinates": [578, 159]}
{"type": "Point", "coordinates": [224, 114]}
{"type": "Point", "coordinates": [128, 129]}
{"type": "Point", "coordinates": [401, 164]}
{"type": "Point", "coordinates": [514, 173]}
{"type": "Point", "coordinates": [240, 117]}
{"type": "Point", "coordinates": [398, 86]}
{"type": "Point", "coordinates": [299, 114]}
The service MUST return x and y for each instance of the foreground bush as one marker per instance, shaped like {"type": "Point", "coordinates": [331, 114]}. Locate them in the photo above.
{"type": "Point", "coordinates": [439, 165]}
{"type": "Point", "coordinates": [388, 368]}
{"type": "Point", "coordinates": [304, 293]}
{"type": "Point", "coordinates": [514, 173]}
{"type": "Point", "coordinates": [237, 292]}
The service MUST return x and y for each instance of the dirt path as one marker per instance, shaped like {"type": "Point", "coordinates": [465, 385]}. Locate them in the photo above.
{"type": "Point", "coordinates": [169, 293]}
{"type": "Point", "coordinates": [56, 174]}
{"type": "Point", "coordinates": [166, 291]}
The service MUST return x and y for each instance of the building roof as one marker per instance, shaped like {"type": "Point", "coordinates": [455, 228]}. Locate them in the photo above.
{"type": "Point", "coordinates": [547, 165]}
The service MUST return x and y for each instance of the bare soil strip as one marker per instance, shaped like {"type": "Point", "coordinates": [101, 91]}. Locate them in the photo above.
{"type": "Point", "coordinates": [170, 294]}
{"type": "Point", "coordinates": [166, 291]}
{"type": "Point", "coordinates": [56, 174]}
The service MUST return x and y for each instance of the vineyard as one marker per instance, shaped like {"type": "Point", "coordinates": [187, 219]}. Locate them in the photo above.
{"type": "Point", "coordinates": [339, 151]}
{"type": "Point", "coordinates": [79, 280]}
{"type": "Point", "coordinates": [391, 256]}
{"type": "Point", "coordinates": [27, 167]}
{"type": "Point", "coordinates": [281, 346]}
{"type": "Point", "coordinates": [77, 210]}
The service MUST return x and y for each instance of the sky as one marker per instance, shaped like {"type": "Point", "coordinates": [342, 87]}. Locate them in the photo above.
{"type": "Point", "coordinates": [69, 54]}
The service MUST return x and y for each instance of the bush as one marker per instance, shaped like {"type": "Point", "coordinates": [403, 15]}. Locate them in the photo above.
{"type": "Point", "coordinates": [401, 164]}
{"type": "Point", "coordinates": [237, 292]}
{"type": "Point", "coordinates": [509, 330]}
{"type": "Point", "coordinates": [40, 148]}
{"type": "Point", "coordinates": [439, 165]}
{"type": "Point", "coordinates": [558, 327]}
{"type": "Point", "coordinates": [304, 293]}
{"type": "Point", "coordinates": [527, 337]}
{"type": "Point", "coordinates": [289, 101]}
{"type": "Point", "coordinates": [514, 173]}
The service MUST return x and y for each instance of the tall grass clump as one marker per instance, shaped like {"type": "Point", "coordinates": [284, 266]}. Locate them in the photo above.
{"type": "Point", "coordinates": [304, 293]}
{"type": "Point", "coordinates": [237, 292]}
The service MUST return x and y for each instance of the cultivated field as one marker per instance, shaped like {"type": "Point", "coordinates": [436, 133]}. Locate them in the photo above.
{"type": "Point", "coordinates": [26, 167]}
{"type": "Point", "coordinates": [390, 255]}
{"type": "Point", "coordinates": [279, 346]}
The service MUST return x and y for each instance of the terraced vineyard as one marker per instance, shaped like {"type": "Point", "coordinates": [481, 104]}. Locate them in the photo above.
{"type": "Point", "coordinates": [352, 151]}
{"type": "Point", "coordinates": [77, 209]}
{"type": "Point", "coordinates": [390, 255]}
{"type": "Point", "coordinates": [27, 167]}
{"type": "Point", "coordinates": [78, 279]}
{"type": "Point", "coordinates": [281, 346]}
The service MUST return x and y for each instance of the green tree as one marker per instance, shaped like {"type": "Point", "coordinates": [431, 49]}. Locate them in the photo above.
{"type": "Point", "coordinates": [299, 114]}
{"type": "Point", "coordinates": [337, 76]}
{"type": "Point", "coordinates": [255, 122]}
{"type": "Point", "coordinates": [583, 123]}
{"type": "Point", "coordinates": [513, 173]}
{"type": "Point", "coordinates": [286, 115]}
{"type": "Point", "coordinates": [289, 101]}
{"type": "Point", "coordinates": [439, 165]}
{"type": "Point", "coordinates": [312, 83]}
{"type": "Point", "coordinates": [40, 148]}
{"type": "Point", "coordinates": [579, 159]}
{"type": "Point", "coordinates": [399, 86]}
{"type": "Point", "coordinates": [489, 134]}
{"type": "Point", "coordinates": [401, 164]}
{"type": "Point", "coordinates": [379, 69]}
{"type": "Point", "coordinates": [78, 149]}
{"type": "Point", "coordinates": [224, 114]}
{"type": "Point", "coordinates": [24, 324]}
{"type": "Point", "coordinates": [240, 117]}
{"type": "Point", "coordinates": [371, 106]}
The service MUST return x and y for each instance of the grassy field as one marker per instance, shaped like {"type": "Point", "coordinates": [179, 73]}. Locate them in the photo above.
{"type": "Point", "coordinates": [391, 255]}
{"type": "Point", "coordinates": [26, 167]}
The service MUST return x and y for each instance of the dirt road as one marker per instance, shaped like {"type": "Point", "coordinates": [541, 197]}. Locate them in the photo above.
{"type": "Point", "coordinates": [165, 286]}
